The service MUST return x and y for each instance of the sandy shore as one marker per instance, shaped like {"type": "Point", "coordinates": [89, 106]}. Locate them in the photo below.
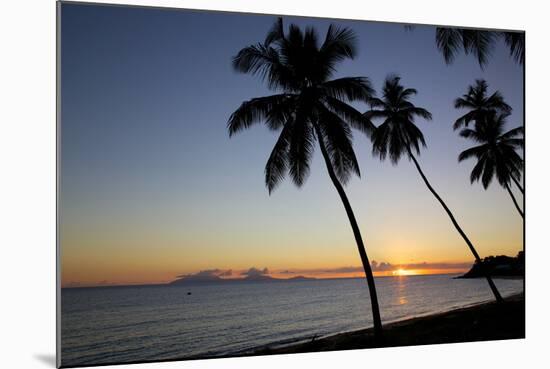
{"type": "Point", "coordinates": [487, 321]}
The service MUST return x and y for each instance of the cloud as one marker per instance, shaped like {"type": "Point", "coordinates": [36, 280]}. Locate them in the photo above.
{"type": "Point", "coordinates": [426, 265]}
{"type": "Point", "coordinates": [375, 266]}
{"type": "Point", "coordinates": [381, 267]}
{"type": "Point", "coordinates": [216, 274]}
{"type": "Point", "coordinates": [254, 272]}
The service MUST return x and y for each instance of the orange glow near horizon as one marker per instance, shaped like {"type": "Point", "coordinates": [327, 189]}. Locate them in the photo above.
{"type": "Point", "coordinates": [125, 258]}
{"type": "Point", "coordinates": [82, 279]}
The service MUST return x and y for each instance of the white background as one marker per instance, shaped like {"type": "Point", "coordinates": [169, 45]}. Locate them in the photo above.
{"type": "Point", "coordinates": [27, 181]}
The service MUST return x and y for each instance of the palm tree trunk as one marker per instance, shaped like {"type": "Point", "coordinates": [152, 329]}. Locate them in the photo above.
{"type": "Point", "coordinates": [460, 231]}
{"type": "Point", "coordinates": [358, 239]}
{"type": "Point", "coordinates": [517, 184]}
{"type": "Point", "coordinates": [514, 200]}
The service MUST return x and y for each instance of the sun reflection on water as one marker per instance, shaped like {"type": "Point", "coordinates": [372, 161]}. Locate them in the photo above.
{"type": "Point", "coordinates": [402, 299]}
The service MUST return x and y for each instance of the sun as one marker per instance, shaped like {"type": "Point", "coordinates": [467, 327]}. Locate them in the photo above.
{"type": "Point", "coordinates": [401, 272]}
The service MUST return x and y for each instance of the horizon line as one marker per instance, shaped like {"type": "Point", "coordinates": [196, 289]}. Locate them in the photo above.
{"type": "Point", "coordinates": [244, 279]}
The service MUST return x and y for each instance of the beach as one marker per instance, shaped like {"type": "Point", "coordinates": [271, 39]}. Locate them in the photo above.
{"type": "Point", "coordinates": [480, 322]}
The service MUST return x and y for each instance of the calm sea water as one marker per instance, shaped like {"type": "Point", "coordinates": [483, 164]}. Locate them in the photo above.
{"type": "Point", "coordinates": [123, 324]}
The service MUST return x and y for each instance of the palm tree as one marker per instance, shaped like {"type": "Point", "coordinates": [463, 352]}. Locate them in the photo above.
{"type": "Point", "coordinates": [398, 135]}
{"type": "Point", "coordinates": [496, 153]}
{"type": "Point", "coordinates": [308, 106]}
{"type": "Point", "coordinates": [480, 43]}
{"type": "Point", "coordinates": [479, 103]}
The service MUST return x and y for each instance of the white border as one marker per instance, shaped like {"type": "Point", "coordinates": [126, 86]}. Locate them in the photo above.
{"type": "Point", "coordinates": [27, 187]}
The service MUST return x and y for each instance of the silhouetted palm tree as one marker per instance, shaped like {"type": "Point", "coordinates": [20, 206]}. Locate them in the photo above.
{"type": "Point", "coordinates": [398, 135]}
{"type": "Point", "coordinates": [496, 153]}
{"type": "Point", "coordinates": [480, 43]}
{"type": "Point", "coordinates": [479, 103]}
{"type": "Point", "coordinates": [308, 107]}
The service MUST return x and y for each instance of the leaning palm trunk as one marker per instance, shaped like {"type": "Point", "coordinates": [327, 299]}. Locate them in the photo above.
{"type": "Point", "coordinates": [498, 297]}
{"type": "Point", "coordinates": [358, 239]}
{"type": "Point", "coordinates": [518, 185]}
{"type": "Point", "coordinates": [514, 199]}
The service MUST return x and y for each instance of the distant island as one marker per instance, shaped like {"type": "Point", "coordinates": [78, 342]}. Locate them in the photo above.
{"type": "Point", "coordinates": [211, 279]}
{"type": "Point", "coordinates": [499, 266]}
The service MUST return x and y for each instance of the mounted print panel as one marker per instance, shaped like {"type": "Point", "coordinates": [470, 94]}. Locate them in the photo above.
{"type": "Point", "coordinates": [239, 184]}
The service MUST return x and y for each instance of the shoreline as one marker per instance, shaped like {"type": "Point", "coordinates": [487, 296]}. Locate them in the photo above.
{"type": "Point", "coordinates": [482, 321]}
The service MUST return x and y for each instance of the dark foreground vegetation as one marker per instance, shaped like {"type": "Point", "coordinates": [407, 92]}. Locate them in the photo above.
{"type": "Point", "coordinates": [498, 266]}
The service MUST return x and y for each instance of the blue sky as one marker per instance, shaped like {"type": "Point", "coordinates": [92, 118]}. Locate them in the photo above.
{"type": "Point", "coordinates": [151, 179]}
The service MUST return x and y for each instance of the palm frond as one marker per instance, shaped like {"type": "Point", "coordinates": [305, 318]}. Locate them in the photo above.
{"type": "Point", "coordinates": [375, 113]}
{"type": "Point", "coordinates": [488, 172]}
{"type": "Point", "coordinates": [338, 142]}
{"type": "Point", "coordinates": [419, 112]}
{"type": "Point", "coordinates": [514, 142]}
{"type": "Point", "coordinates": [310, 40]}
{"type": "Point", "coordinates": [376, 102]}
{"type": "Point", "coordinates": [480, 43]}
{"type": "Point", "coordinates": [277, 164]}
{"type": "Point", "coordinates": [476, 151]}
{"type": "Point", "coordinates": [464, 102]}
{"type": "Point", "coordinates": [412, 136]}
{"type": "Point", "coordinates": [276, 33]}
{"type": "Point", "coordinates": [407, 93]}
{"type": "Point", "coordinates": [339, 44]}
{"type": "Point", "coordinates": [471, 134]}
{"type": "Point", "coordinates": [269, 108]}
{"type": "Point", "coordinates": [514, 132]}
{"type": "Point", "coordinates": [496, 102]}
{"type": "Point", "coordinates": [351, 115]}
{"type": "Point", "coordinates": [265, 62]}
{"type": "Point", "coordinates": [381, 139]}
{"type": "Point", "coordinates": [476, 173]}
{"type": "Point", "coordinates": [516, 43]}
{"type": "Point", "coordinates": [300, 151]}
{"type": "Point", "coordinates": [449, 42]}
{"type": "Point", "coordinates": [465, 120]}
{"type": "Point", "coordinates": [349, 89]}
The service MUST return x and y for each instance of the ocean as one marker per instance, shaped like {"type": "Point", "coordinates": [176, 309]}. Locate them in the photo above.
{"type": "Point", "coordinates": [107, 325]}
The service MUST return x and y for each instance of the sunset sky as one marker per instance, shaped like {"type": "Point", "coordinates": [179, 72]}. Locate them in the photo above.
{"type": "Point", "coordinates": [152, 187]}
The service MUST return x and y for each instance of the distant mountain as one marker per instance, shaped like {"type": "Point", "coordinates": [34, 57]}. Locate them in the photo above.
{"type": "Point", "coordinates": [301, 278]}
{"type": "Point", "coordinates": [212, 279]}
{"type": "Point", "coordinates": [498, 266]}
{"type": "Point", "coordinates": [197, 279]}
{"type": "Point", "coordinates": [262, 278]}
